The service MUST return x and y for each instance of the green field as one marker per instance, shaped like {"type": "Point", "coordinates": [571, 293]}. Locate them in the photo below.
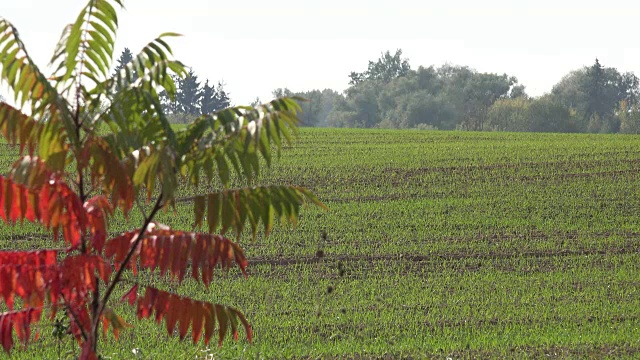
{"type": "Point", "coordinates": [438, 244]}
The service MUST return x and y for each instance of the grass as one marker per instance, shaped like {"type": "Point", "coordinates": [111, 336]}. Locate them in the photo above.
{"type": "Point", "coordinates": [438, 244]}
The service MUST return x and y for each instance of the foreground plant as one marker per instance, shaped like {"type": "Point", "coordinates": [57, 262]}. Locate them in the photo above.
{"type": "Point", "coordinates": [91, 145]}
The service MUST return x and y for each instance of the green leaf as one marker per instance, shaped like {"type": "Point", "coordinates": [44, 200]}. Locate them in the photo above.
{"type": "Point", "coordinates": [199, 206]}
{"type": "Point", "coordinates": [169, 34]}
{"type": "Point", "coordinates": [213, 211]}
{"type": "Point", "coordinates": [241, 135]}
{"type": "Point", "coordinates": [231, 209]}
{"type": "Point", "coordinates": [18, 70]}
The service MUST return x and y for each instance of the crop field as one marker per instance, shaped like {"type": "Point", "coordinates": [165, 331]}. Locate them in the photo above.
{"type": "Point", "coordinates": [438, 244]}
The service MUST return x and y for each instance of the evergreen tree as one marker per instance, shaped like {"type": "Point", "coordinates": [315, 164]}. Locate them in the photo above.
{"type": "Point", "coordinates": [169, 105]}
{"type": "Point", "coordinates": [256, 102]}
{"type": "Point", "coordinates": [222, 100]}
{"type": "Point", "coordinates": [212, 100]}
{"type": "Point", "coordinates": [595, 92]}
{"type": "Point", "coordinates": [123, 60]}
{"type": "Point", "coordinates": [189, 94]}
{"type": "Point", "coordinates": [207, 101]}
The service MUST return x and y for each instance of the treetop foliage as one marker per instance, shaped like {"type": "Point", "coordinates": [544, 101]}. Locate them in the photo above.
{"type": "Point", "coordinates": [390, 94]}
{"type": "Point", "coordinates": [385, 69]}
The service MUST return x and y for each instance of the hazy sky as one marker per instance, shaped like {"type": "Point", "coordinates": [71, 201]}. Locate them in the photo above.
{"type": "Point", "coordinates": [256, 46]}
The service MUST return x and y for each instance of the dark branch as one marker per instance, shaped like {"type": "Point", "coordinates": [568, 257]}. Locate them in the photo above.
{"type": "Point", "coordinates": [123, 265]}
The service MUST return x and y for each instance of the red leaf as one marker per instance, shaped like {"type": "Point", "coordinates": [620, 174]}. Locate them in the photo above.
{"type": "Point", "coordinates": [188, 313]}
{"type": "Point", "coordinates": [177, 241]}
{"type": "Point", "coordinates": [197, 256]}
{"type": "Point", "coordinates": [20, 322]}
{"type": "Point", "coordinates": [8, 199]}
{"type": "Point", "coordinates": [27, 274]}
{"type": "Point", "coordinates": [185, 314]}
{"type": "Point", "coordinates": [2, 199]}
{"type": "Point", "coordinates": [15, 204]}
{"type": "Point", "coordinates": [147, 258]}
{"type": "Point", "coordinates": [6, 336]}
{"type": "Point", "coordinates": [171, 251]}
{"type": "Point", "coordinates": [44, 195]}
{"type": "Point", "coordinates": [145, 305]}
{"type": "Point", "coordinates": [198, 321]}
{"type": "Point", "coordinates": [51, 203]}
{"type": "Point", "coordinates": [162, 305]}
{"type": "Point", "coordinates": [131, 295]}
{"type": "Point", "coordinates": [80, 318]}
{"type": "Point", "coordinates": [7, 284]}
{"type": "Point", "coordinates": [78, 276]}
{"type": "Point", "coordinates": [172, 313]}
{"type": "Point", "coordinates": [97, 209]}
{"type": "Point", "coordinates": [186, 241]}
{"type": "Point", "coordinates": [22, 204]}
{"type": "Point", "coordinates": [23, 321]}
{"type": "Point", "coordinates": [165, 260]}
{"type": "Point", "coordinates": [209, 322]}
{"type": "Point", "coordinates": [245, 323]}
{"type": "Point", "coordinates": [31, 211]}
{"type": "Point", "coordinates": [105, 326]}
{"type": "Point", "coordinates": [104, 270]}
{"type": "Point", "coordinates": [118, 247]}
{"type": "Point", "coordinates": [19, 326]}
{"type": "Point", "coordinates": [223, 320]}
{"type": "Point", "coordinates": [108, 172]}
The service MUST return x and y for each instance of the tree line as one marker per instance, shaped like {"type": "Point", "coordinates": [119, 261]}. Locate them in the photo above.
{"type": "Point", "coordinates": [390, 94]}
{"type": "Point", "coordinates": [192, 98]}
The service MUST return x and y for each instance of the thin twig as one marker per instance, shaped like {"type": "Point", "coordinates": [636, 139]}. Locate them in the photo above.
{"type": "Point", "coordinates": [74, 318]}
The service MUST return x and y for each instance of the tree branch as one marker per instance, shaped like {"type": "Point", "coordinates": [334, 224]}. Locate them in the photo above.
{"type": "Point", "coordinates": [74, 318]}
{"type": "Point", "coordinates": [125, 261]}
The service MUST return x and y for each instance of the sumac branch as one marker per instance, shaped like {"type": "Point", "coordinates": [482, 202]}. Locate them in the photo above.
{"type": "Point", "coordinates": [98, 146]}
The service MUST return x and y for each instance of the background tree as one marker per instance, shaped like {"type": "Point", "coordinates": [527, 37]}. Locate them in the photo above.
{"type": "Point", "coordinates": [385, 69]}
{"type": "Point", "coordinates": [222, 99]}
{"type": "Point", "coordinates": [518, 91]}
{"type": "Point", "coordinates": [444, 98]}
{"type": "Point", "coordinates": [479, 92]}
{"type": "Point", "coordinates": [629, 118]}
{"type": "Point", "coordinates": [88, 162]}
{"type": "Point", "coordinates": [169, 102]}
{"type": "Point", "coordinates": [256, 102]}
{"type": "Point", "coordinates": [189, 94]}
{"type": "Point", "coordinates": [363, 102]}
{"type": "Point", "coordinates": [389, 94]}
{"type": "Point", "coordinates": [281, 92]}
{"type": "Point", "coordinates": [546, 114]}
{"type": "Point", "coordinates": [597, 90]}
{"type": "Point", "coordinates": [193, 98]}
{"type": "Point", "coordinates": [342, 115]}
{"type": "Point", "coordinates": [316, 107]}
{"type": "Point", "coordinates": [123, 60]}
{"type": "Point", "coordinates": [510, 114]}
{"type": "Point", "coordinates": [594, 86]}
{"type": "Point", "coordinates": [212, 100]}
{"type": "Point", "coordinates": [125, 57]}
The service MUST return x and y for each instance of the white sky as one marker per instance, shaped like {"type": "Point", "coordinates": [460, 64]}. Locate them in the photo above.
{"type": "Point", "coordinates": [256, 46]}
